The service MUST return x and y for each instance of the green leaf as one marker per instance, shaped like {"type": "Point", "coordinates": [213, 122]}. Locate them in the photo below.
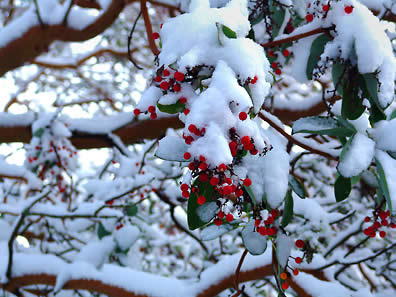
{"type": "Point", "coordinates": [288, 209]}
{"type": "Point", "coordinates": [297, 187]}
{"type": "Point", "coordinates": [251, 194]}
{"type": "Point", "coordinates": [317, 49]}
{"type": "Point", "coordinates": [371, 85]}
{"type": "Point", "coordinates": [254, 242]}
{"type": "Point", "coordinates": [212, 231]}
{"type": "Point", "coordinates": [392, 115]}
{"type": "Point", "coordinates": [345, 148]}
{"type": "Point", "coordinates": [171, 108]}
{"type": "Point", "coordinates": [277, 16]}
{"type": "Point", "coordinates": [352, 105]}
{"type": "Point", "coordinates": [342, 188]}
{"type": "Point", "coordinates": [383, 184]}
{"type": "Point", "coordinates": [102, 232]}
{"type": "Point", "coordinates": [205, 189]}
{"type": "Point", "coordinates": [337, 72]}
{"type": "Point", "coordinates": [323, 126]}
{"type": "Point", "coordinates": [257, 19]}
{"type": "Point", "coordinates": [131, 210]}
{"type": "Point", "coordinates": [228, 32]}
{"type": "Point", "coordinates": [39, 132]}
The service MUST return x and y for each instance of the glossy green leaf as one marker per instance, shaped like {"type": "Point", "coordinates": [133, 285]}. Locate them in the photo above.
{"type": "Point", "coordinates": [323, 126]}
{"type": "Point", "coordinates": [228, 32]}
{"type": "Point", "coordinates": [39, 132]}
{"type": "Point", "coordinates": [205, 189]}
{"type": "Point", "coordinates": [337, 72]}
{"type": "Point", "coordinates": [342, 188]}
{"type": "Point", "coordinates": [277, 16]}
{"type": "Point", "coordinates": [383, 184]}
{"type": "Point", "coordinates": [102, 232]}
{"type": "Point", "coordinates": [288, 209]}
{"type": "Point", "coordinates": [251, 194]}
{"type": "Point", "coordinates": [254, 242]}
{"type": "Point", "coordinates": [317, 49]}
{"type": "Point", "coordinates": [171, 108]}
{"type": "Point", "coordinates": [392, 115]}
{"type": "Point", "coordinates": [352, 104]}
{"type": "Point", "coordinates": [297, 187]}
{"type": "Point", "coordinates": [131, 210]}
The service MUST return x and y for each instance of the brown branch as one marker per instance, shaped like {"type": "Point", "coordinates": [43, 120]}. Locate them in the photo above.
{"type": "Point", "coordinates": [13, 177]}
{"type": "Point", "coordinates": [295, 141]}
{"type": "Point", "coordinates": [149, 29]}
{"type": "Point", "coordinates": [238, 270]}
{"type": "Point", "coordinates": [87, 4]}
{"type": "Point", "coordinates": [37, 39]}
{"type": "Point", "coordinates": [76, 64]}
{"type": "Point", "coordinates": [295, 37]}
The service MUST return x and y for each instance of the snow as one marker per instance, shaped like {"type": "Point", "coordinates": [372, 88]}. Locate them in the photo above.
{"type": "Point", "coordinates": [212, 232]}
{"type": "Point", "coordinates": [9, 119]}
{"type": "Point", "coordinates": [11, 170]}
{"type": "Point", "coordinates": [126, 236]}
{"type": "Point", "coordinates": [96, 252]}
{"type": "Point", "coordinates": [358, 156]}
{"type": "Point", "coordinates": [171, 148]}
{"type": "Point", "coordinates": [284, 245]}
{"type": "Point", "coordinates": [363, 33]}
{"type": "Point", "coordinates": [384, 134]}
{"type": "Point", "coordinates": [269, 173]}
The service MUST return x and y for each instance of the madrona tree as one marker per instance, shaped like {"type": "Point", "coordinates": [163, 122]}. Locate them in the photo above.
{"type": "Point", "coordinates": [198, 148]}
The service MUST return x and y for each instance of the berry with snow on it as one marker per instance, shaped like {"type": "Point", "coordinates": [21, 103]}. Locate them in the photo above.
{"type": "Point", "coordinates": [222, 167]}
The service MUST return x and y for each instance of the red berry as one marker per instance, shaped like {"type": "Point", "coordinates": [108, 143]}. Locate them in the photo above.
{"type": "Point", "coordinates": [227, 190]}
{"type": "Point", "coordinates": [186, 194]}
{"type": "Point", "coordinates": [151, 109]}
{"type": "Point", "coordinates": [166, 72]}
{"type": "Point", "coordinates": [257, 222]}
{"type": "Point", "coordinates": [274, 65]}
{"type": "Point", "coordinates": [286, 53]}
{"type": "Point", "coordinates": [232, 145]}
{"type": "Point", "coordinates": [325, 7]}
{"type": "Point", "coordinates": [295, 271]}
{"type": "Point", "coordinates": [221, 214]}
{"type": "Point", "coordinates": [222, 167]}
{"type": "Point", "coordinates": [218, 222]}
{"type": "Point", "coordinates": [247, 182]}
{"type": "Point", "coordinates": [201, 200]}
{"type": "Point", "coordinates": [191, 166]}
{"type": "Point", "coordinates": [203, 166]}
{"type": "Point", "coordinates": [298, 260]}
{"type": "Point", "coordinates": [242, 116]}
{"type": "Point", "coordinates": [382, 234]}
{"type": "Point", "coordinates": [382, 215]}
{"type": "Point", "coordinates": [254, 80]}
{"type": "Point", "coordinates": [192, 128]}
{"type": "Point", "coordinates": [184, 187]}
{"type": "Point", "coordinates": [300, 243]}
{"type": "Point", "coordinates": [271, 54]}
{"type": "Point", "coordinates": [153, 116]}
{"type": "Point", "coordinates": [155, 35]}
{"type": "Point", "coordinates": [214, 181]}
{"type": "Point", "coordinates": [186, 111]}
{"type": "Point", "coordinates": [158, 78]}
{"type": "Point", "coordinates": [367, 219]}
{"type": "Point", "coordinates": [164, 85]}
{"type": "Point", "coordinates": [202, 158]}
{"type": "Point", "coordinates": [309, 18]}
{"type": "Point", "coordinates": [238, 192]}
{"type": "Point", "coordinates": [377, 225]}
{"type": "Point", "coordinates": [245, 140]}
{"type": "Point", "coordinates": [262, 231]}
{"type": "Point", "coordinates": [118, 227]}
{"type": "Point", "coordinates": [187, 155]}
{"type": "Point", "coordinates": [283, 275]}
{"type": "Point", "coordinates": [110, 202]}
{"type": "Point", "coordinates": [278, 71]}
{"type": "Point", "coordinates": [177, 88]}
{"type": "Point", "coordinates": [285, 286]}
{"type": "Point", "coordinates": [179, 76]}
{"type": "Point", "coordinates": [274, 212]}
{"type": "Point", "coordinates": [183, 100]}
{"type": "Point", "coordinates": [229, 218]}
{"type": "Point", "coordinates": [348, 9]}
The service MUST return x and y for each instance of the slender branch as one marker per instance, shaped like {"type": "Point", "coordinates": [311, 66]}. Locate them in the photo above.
{"type": "Point", "coordinates": [14, 233]}
{"type": "Point", "coordinates": [295, 37]}
{"type": "Point", "coordinates": [149, 29]}
{"type": "Point", "coordinates": [238, 270]}
{"type": "Point", "coordinates": [295, 141]}
{"type": "Point", "coordinates": [129, 42]}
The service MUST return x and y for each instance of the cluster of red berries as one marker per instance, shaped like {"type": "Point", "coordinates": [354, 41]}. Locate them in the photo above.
{"type": "Point", "coordinates": [309, 17]}
{"type": "Point", "coordinates": [167, 80]}
{"type": "Point", "coordinates": [263, 227]}
{"type": "Point", "coordinates": [377, 224]}
{"type": "Point", "coordinates": [275, 65]}
{"type": "Point", "coordinates": [285, 275]}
